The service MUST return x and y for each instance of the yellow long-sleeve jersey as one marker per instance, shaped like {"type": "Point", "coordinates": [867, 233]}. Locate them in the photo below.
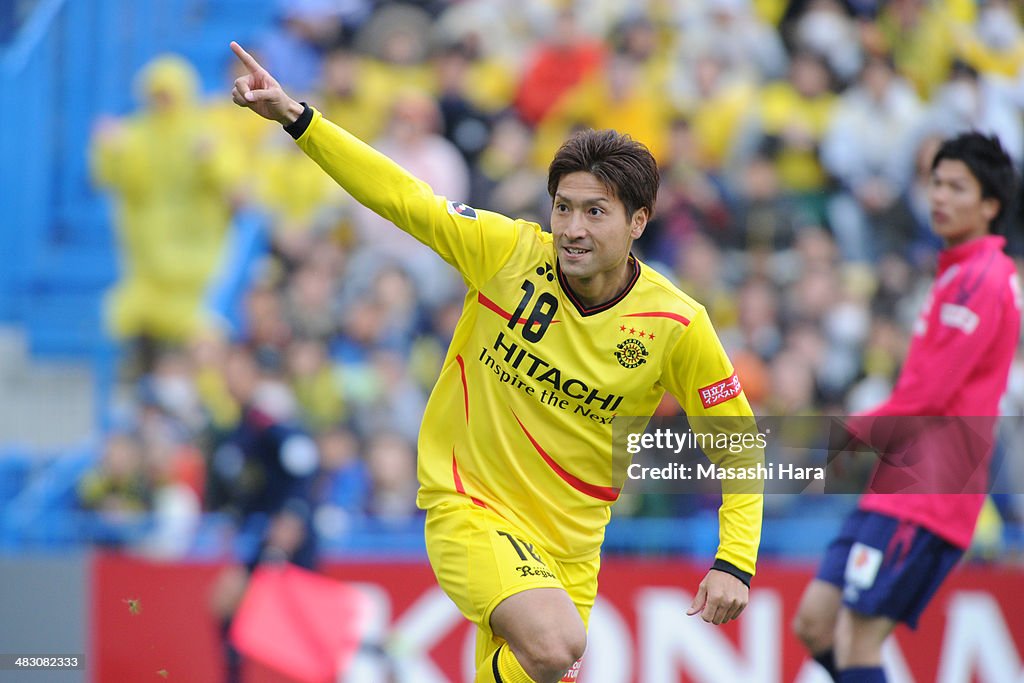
{"type": "Point", "coordinates": [520, 420]}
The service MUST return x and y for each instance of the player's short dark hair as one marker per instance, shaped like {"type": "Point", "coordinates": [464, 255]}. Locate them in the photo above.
{"type": "Point", "coordinates": [625, 166]}
{"type": "Point", "coordinates": [988, 162]}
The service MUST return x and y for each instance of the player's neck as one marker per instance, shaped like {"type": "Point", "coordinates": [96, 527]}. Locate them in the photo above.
{"type": "Point", "coordinates": [603, 287]}
{"type": "Point", "coordinates": [972, 235]}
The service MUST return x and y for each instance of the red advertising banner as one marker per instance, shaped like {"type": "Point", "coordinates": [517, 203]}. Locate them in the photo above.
{"type": "Point", "coordinates": [639, 632]}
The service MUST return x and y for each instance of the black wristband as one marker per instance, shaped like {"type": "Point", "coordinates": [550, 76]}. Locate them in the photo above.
{"type": "Point", "coordinates": [729, 568]}
{"type": "Point", "coordinates": [302, 123]}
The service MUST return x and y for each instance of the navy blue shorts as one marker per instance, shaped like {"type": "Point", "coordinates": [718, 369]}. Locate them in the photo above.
{"type": "Point", "coordinates": [887, 567]}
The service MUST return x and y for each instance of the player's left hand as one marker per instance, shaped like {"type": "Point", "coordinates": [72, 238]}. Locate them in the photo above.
{"type": "Point", "coordinates": [720, 598]}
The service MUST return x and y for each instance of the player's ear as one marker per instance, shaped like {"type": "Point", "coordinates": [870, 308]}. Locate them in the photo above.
{"type": "Point", "coordinates": [638, 223]}
{"type": "Point", "coordinates": [989, 208]}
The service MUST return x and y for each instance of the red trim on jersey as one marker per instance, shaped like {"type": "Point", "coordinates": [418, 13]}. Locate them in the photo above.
{"type": "Point", "coordinates": [660, 314]}
{"type": "Point", "coordinates": [465, 387]}
{"type": "Point", "coordinates": [609, 493]}
{"type": "Point", "coordinates": [583, 310]}
{"type": "Point", "coordinates": [487, 303]}
{"type": "Point", "coordinates": [459, 488]}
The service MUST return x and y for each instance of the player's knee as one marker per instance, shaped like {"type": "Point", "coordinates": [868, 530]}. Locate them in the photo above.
{"type": "Point", "coordinates": [547, 659]}
{"type": "Point", "coordinates": [814, 632]}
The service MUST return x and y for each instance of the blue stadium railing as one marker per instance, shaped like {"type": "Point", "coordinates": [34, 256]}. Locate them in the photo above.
{"type": "Point", "coordinates": [39, 514]}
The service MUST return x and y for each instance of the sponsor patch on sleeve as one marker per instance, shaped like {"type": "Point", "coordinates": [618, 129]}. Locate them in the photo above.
{"type": "Point", "coordinates": [461, 209]}
{"type": "Point", "coordinates": [720, 392]}
{"type": "Point", "coordinates": [960, 317]}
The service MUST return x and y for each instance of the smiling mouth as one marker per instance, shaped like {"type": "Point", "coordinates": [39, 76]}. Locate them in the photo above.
{"type": "Point", "coordinates": [575, 251]}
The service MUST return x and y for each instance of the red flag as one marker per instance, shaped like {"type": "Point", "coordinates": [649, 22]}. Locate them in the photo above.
{"type": "Point", "coordinates": [302, 624]}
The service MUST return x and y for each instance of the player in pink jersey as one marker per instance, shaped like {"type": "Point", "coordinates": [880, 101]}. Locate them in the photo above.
{"type": "Point", "coordinates": [895, 550]}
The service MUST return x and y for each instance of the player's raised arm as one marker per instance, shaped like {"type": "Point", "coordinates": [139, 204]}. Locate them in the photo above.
{"type": "Point", "coordinates": [476, 243]}
{"type": "Point", "coordinates": [259, 91]}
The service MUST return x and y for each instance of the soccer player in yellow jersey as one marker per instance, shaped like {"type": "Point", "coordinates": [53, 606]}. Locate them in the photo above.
{"type": "Point", "coordinates": [560, 332]}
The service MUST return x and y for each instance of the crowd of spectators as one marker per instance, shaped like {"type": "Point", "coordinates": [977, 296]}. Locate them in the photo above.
{"type": "Point", "coordinates": [794, 140]}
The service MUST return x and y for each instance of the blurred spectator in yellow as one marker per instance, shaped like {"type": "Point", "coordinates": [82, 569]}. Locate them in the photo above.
{"type": "Point", "coordinates": [352, 95]}
{"type": "Point", "coordinates": [627, 94]}
{"type": "Point", "coordinates": [396, 39]}
{"type": "Point", "coordinates": [994, 45]}
{"type": "Point", "coordinates": [866, 149]}
{"type": "Point", "coordinates": [636, 38]}
{"type": "Point", "coordinates": [208, 353]}
{"type": "Point", "coordinates": [792, 117]}
{"type": "Point", "coordinates": [230, 123]}
{"type": "Point", "coordinates": [316, 384]}
{"type": "Point", "coordinates": [615, 97]}
{"type": "Point", "coordinates": [172, 179]}
{"type": "Point", "coordinates": [920, 34]}
{"type": "Point", "coordinates": [716, 98]}
{"type": "Point", "coordinates": [493, 56]}
{"type": "Point", "coordinates": [770, 11]}
{"type": "Point", "coordinates": [299, 203]}
{"type": "Point", "coordinates": [564, 57]}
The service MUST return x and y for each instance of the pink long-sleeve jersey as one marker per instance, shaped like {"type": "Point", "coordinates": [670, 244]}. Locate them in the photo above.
{"type": "Point", "coordinates": [957, 365]}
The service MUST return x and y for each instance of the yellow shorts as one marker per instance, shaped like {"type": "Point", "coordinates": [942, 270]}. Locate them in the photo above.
{"type": "Point", "coordinates": [480, 559]}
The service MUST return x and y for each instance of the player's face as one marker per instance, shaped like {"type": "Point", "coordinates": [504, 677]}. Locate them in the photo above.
{"type": "Point", "coordinates": [591, 230]}
{"type": "Point", "coordinates": [959, 212]}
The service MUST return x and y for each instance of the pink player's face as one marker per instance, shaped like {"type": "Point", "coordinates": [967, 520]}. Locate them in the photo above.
{"type": "Point", "coordinates": [959, 211]}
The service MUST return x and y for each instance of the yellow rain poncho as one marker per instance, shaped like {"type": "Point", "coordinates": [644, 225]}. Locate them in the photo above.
{"type": "Point", "coordinates": [172, 179]}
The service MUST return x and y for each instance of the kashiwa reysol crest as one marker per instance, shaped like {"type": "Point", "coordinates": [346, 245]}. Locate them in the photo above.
{"type": "Point", "coordinates": [631, 353]}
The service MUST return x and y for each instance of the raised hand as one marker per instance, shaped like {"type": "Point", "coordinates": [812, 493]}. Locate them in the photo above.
{"type": "Point", "coordinates": [258, 91]}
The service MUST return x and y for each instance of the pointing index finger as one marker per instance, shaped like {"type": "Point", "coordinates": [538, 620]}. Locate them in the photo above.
{"type": "Point", "coordinates": [246, 58]}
